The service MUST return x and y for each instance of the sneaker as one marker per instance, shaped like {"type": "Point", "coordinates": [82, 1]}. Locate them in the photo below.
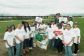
{"type": "Point", "coordinates": [75, 54]}
{"type": "Point", "coordinates": [30, 48]}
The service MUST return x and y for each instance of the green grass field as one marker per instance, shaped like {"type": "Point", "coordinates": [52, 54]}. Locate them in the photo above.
{"type": "Point", "coordinates": [37, 51]}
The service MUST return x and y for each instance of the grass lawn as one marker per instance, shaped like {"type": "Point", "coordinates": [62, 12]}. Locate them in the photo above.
{"type": "Point", "coordinates": [37, 51]}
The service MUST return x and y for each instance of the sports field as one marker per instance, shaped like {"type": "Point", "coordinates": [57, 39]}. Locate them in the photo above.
{"type": "Point", "coordinates": [37, 51]}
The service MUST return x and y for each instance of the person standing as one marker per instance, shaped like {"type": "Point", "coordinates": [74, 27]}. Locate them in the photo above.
{"type": "Point", "coordinates": [68, 38]}
{"type": "Point", "coordinates": [58, 39]}
{"type": "Point", "coordinates": [57, 18]}
{"type": "Point", "coordinates": [19, 38]}
{"type": "Point", "coordinates": [70, 21]}
{"type": "Point", "coordinates": [13, 30]}
{"type": "Point", "coordinates": [32, 37]}
{"type": "Point", "coordinates": [77, 38]}
{"type": "Point", "coordinates": [50, 34]}
{"type": "Point", "coordinates": [26, 43]}
{"type": "Point", "coordinates": [9, 41]}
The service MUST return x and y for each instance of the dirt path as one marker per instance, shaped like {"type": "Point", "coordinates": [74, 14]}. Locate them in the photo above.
{"type": "Point", "coordinates": [34, 52]}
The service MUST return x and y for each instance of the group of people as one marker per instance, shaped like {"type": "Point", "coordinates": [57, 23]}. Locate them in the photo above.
{"type": "Point", "coordinates": [61, 34]}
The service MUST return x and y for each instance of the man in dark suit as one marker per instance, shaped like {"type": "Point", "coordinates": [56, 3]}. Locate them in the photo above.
{"type": "Point", "coordinates": [57, 18]}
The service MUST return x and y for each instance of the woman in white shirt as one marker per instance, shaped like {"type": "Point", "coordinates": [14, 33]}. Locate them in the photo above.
{"type": "Point", "coordinates": [26, 44]}
{"type": "Point", "coordinates": [19, 38]}
{"type": "Point", "coordinates": [77, 38]}
{"type": "Point", "coordinates": [50, 34]}
{"type": "Point", "coordinates": [32, 36]}
{"type": "Point", "coordinates": [68, 38]}
{"type": "Point", "coordinates": [9, 41]}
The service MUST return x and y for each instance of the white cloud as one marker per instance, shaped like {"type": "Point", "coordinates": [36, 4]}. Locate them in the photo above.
{"type": "Point", "coordinates": [40, 7]}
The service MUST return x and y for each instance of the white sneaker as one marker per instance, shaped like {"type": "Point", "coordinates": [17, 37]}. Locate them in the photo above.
{"type": "Point", "coordinates": [30, 48]}
{"type": "Point", "coordinates": [75, 54]}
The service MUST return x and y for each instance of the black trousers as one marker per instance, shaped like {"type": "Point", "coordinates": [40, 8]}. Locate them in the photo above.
{"type": "Point", "coordinates": [59, 45]}
{"type": "Point", "coordinates": [31, 42]}
{"type": "Point", "coordinates": [14, 50]}
{"type": "Point", "coordinates": [76, 48]}
{"type": "Point", "coordinates": [26, 43]}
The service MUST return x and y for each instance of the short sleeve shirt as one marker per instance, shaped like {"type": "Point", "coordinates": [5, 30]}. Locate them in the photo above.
{"type": "Point", "coordinates": [9, 37]}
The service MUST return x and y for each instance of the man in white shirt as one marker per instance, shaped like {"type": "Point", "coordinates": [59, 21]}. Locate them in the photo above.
{"type": "Point", "coordinates": [70, 22]}
{"type": "Point", "coordinates": [60, 18]}
{"type": "Point", "coordinates": [68, 38]}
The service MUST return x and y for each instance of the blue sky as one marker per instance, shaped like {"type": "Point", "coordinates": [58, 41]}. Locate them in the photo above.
{"type": "Point", "coordinates": [41, 7]}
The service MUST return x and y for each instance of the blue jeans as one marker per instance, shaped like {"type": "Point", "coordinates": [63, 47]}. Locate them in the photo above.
{"type": "Point", "coordinates": [19, 49]}
{"type": "Point", "coordinates": [68, 51]}
{"type": "Point", "coordinates": [11, 51]}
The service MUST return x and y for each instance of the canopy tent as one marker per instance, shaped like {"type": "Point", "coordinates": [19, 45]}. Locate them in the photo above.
{"type": "Point", "coordinates": [41, 7]}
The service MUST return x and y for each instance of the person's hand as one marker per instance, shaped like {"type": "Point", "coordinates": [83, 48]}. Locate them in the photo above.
{"type": "Point", "coordinates": [64, 43]}
{"type": "Point", "coordinates": [78, 41]}
{"type": "Point", "coordinates": [9, 45]}
{"type": "Point", "coordinates": [68, 43]}
{"type": "Point", "coordinates": [14, 43]}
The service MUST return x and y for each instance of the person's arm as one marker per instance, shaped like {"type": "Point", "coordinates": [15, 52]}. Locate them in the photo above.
{"type": "Point", "coordinates": [7, 43]}
{"type": "Point", "coordinates": [23, 34]}
{"type": "Point", "coordinates": [30, 33]}
{"type": "Point", "coordinates": [63, 40]}
{"type": "Point", "coordinates": [15, 33]}
{"type": "Point", "coordinates": [5, 39]}
{"type": "Point", "coordinates": [78, 39]}
{"type": "Point", "coordinates": [14, 41]}
{"type": "Point", "coordinates": [70, 41]}
{"type": "Point", "coordinates": [18, 38]}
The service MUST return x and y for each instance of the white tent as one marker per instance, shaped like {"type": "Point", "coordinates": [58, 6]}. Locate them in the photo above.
{"type": "Point", "coordinates": [41, 7]}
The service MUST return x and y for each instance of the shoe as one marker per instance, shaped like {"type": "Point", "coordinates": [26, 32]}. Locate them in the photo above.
{"type": "Point", "coordinates": [75, 54]}
{"type": "Point", "coordinates": [30, 48]}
